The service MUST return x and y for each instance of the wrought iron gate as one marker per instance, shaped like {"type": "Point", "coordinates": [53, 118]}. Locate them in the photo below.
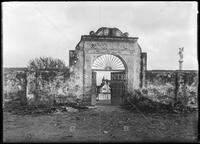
{"type": "Point", "coordinates": [118, 87]}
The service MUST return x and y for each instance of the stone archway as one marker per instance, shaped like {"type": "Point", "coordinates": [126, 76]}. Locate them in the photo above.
{"type": "Point", "coordinates": [117, 70]}
{"type": "Point", "coordinates": [107, 41]}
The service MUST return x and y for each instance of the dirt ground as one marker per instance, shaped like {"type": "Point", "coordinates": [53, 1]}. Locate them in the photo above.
{"type": "Point", "coordinates": [100, 124]}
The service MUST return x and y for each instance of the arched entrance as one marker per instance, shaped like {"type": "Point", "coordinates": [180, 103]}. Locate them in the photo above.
{"type": "Point", "coordinates": [109, 79]}
{"type": "Point", "coordinates": [107, 50]}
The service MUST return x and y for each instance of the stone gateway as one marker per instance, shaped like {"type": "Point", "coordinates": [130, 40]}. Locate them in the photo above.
{"type": "Point", "coordinates": [105, 56]}
{"type": "Point", "coordinates": [108, 49]}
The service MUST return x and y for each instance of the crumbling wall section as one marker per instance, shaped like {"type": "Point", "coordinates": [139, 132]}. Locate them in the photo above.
{"type": "Point", "coordinates": [49, 87]}
{"type": "Point", "coordinates": [77, 72]}
{"type": "Point", "coordinates": [66, 85]}
{"type": "Point", "coordinates": [161, 85]}
{"type": "Point", "coordinates": [170, 86]}
{"type": "Point", "coordinates": [14, 85]}
{"type": "Point", "coordinates": [187, 87]}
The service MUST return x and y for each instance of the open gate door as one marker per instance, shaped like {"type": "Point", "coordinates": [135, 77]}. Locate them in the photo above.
{"type": "Point", "coordinates": [118, 87]}
{"type": "Point", "coordinates": [94, 89]}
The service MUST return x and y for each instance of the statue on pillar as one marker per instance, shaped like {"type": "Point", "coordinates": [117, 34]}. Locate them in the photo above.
{"type": "Point", "coordinates": [181, 54]}
{"type": "Point", "coordinates": [181, 58]}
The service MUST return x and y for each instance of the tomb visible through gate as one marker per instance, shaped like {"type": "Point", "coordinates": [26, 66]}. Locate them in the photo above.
{"type": "Point", "coordinates": [105, 68]}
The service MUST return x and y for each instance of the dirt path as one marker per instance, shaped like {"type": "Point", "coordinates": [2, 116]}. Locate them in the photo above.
{"type": "Point", "coordinates": [103, 123]}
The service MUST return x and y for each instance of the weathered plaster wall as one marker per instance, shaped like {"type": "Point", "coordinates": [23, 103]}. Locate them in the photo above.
{"type": "Point", "coordinates": [78, 72]}
{"type": "Point", "coordinates": [161, 85]}
{"type": "Point", "coordinates": [169, 86]}
{"type": "Point", "coordinates": [41, 86]}
{"type": "Point", "coordinates": [50, 86]}
{"type": "Point", "coordinates": [143, 69]}
{"type": "Point", "coordinates": [14, 85]}
{"type": "Point", "coordinates": [187, 84]}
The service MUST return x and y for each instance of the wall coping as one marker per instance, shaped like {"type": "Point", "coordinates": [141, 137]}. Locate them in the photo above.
{"type": "Point", "coordinates": [26, 69]}
{"type": "Point", "coordinates": [172, 71]}
{"type": "Point", "coordinates": [14, 68]}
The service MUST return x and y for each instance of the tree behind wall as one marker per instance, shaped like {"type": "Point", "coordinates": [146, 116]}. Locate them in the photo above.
{"type": "Point", "coordinates": [45, 70]}
{"type": "Point", "coordinates": [46, 63]}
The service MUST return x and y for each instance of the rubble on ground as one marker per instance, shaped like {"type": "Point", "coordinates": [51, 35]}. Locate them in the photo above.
{"type": "Point", "coordinates": [43, 109]}
{"type": "Point", "coordinates": [137, 101]}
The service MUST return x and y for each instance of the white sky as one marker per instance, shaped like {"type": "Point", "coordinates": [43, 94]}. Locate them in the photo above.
{"type": "Point", "coordinates": [33, 29]}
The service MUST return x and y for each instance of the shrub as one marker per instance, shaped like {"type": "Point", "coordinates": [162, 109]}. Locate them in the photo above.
{"type": "Point", "coordinates": [139, 100]}
{"type": "Point", "coordinates": [46, 63]}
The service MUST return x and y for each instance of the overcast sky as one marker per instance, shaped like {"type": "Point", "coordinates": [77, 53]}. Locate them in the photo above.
{"type": "Point", "coordinates": [34, 29]}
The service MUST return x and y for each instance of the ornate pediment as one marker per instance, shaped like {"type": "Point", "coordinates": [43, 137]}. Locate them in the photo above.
{"type": "Point", "coordinates": [110, 32]}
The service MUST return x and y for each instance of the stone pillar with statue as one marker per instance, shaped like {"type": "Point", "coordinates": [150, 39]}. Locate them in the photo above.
{"type": "Point", "coordinates": [181, 58]}
{"type": "Point", "coordinates": [181, 95]}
